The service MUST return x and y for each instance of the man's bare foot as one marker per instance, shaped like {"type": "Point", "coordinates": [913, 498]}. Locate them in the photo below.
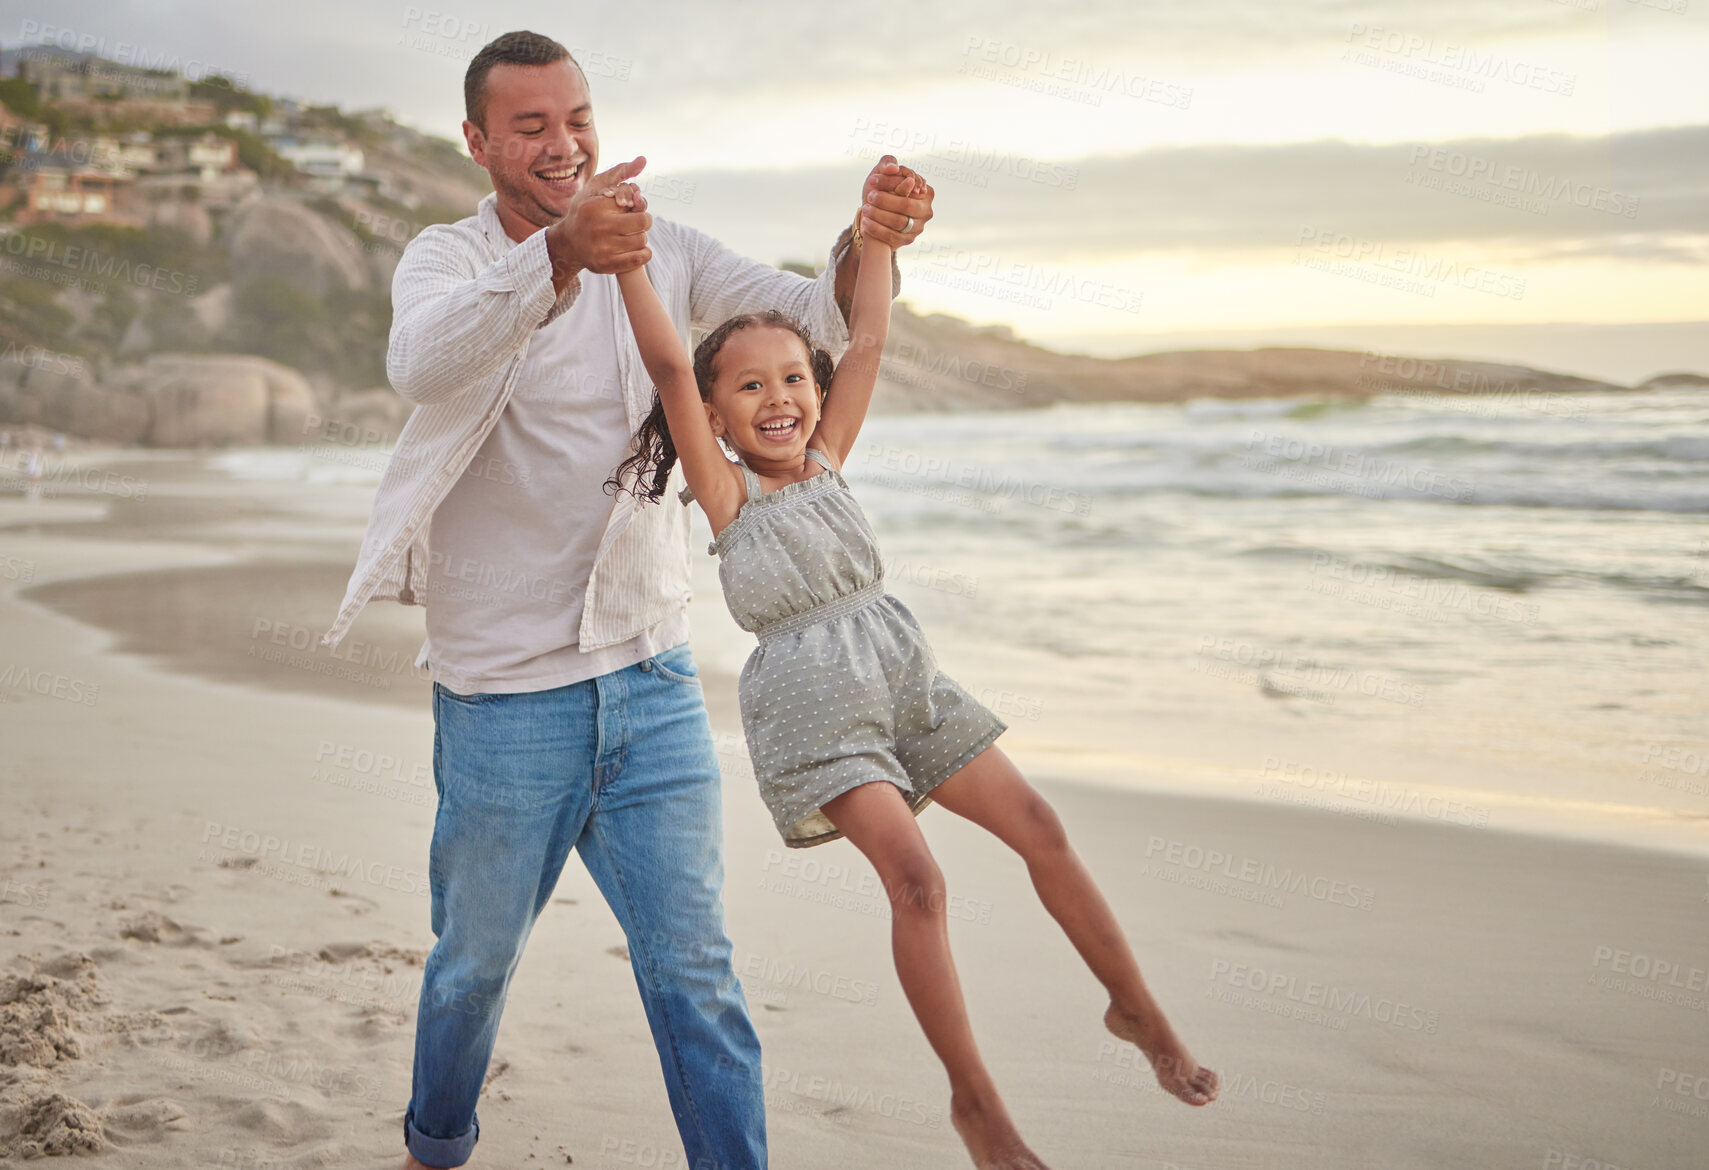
{"type": "Point", "coordinates": [990, 1136]}
{"type": "Point", "coordinates": [409, 1163]}
{"type": "Point", "coordinates": [1177, 1071]}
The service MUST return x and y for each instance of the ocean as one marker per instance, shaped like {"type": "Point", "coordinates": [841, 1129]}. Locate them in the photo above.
{"type": "Point", "coordinates": [1367, 602]}
{"type": "Point", "coordinates": [1489, 611]}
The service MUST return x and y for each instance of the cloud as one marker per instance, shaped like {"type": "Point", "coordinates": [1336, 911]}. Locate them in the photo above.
{"type": "Point", "coordinates": [1640, 196]}
{"type": "Point", "coordinates": [1636, 197]}
{"type": "Point", "coordinates": [689, 50]}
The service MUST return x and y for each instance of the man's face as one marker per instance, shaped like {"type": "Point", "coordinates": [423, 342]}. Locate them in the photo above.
{"type": "Point", "coordinates": [539, 145]}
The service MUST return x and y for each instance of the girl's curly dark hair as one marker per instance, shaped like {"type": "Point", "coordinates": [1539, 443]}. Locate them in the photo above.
{"type": "Point", "coordinates": [645, 473]}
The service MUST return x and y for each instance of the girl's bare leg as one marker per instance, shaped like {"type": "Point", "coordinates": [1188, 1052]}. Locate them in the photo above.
{"type": "Point", "coordinates": [992, 794]}
{"type": "Point", "coordinates": [877, 819]}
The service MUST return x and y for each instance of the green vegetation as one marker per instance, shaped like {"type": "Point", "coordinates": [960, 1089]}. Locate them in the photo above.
{"type": "Point", "coordinates": [228, 95]}
{"type": "Point", "coordinates": [419, 215]}
{"type": "Point", "coordinates": [252, 149]}
{"type": "Point", "coordinates": [29, 315]}
{"type": "Point", "coordinates": [331, 118]}
{"type": "Point", "coordinates": [341, 335]}
{"type": "Point", "coordinates": [112, 317]}
{"type": "Point", "coordinates": [63, 123]}
{"type": "Point", "coordinates": [329, 208]}
{"type": "Point", "coordinates": [150, 279]}
{"type": "Point", "coordinates": [152, 272]}
{"type": "Point", "coordinates": [254, 153]}
{"type": "Point", "coordinates": [447, 155]}
{"type": "Point", "coordinates": [20, 97]}
{"type": "Point", "coordinates": [102, 254]}
{"type": "Point", "coordinates": [173, 326]}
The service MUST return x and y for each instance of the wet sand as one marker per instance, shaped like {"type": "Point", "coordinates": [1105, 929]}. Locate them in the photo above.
{"type": "Point", "coordinates": [213, 915]}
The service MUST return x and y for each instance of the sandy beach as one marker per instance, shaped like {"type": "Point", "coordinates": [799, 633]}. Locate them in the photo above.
{"type": "Point", "coordinates": [213, 915]}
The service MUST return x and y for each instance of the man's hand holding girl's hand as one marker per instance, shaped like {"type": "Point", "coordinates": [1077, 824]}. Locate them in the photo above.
{"type": "Point", "coordinates": [628, 197]}
{"type": "Point", "coordinates": [601, 232]}
{"type": "Point", "coordinates": [895, 204]}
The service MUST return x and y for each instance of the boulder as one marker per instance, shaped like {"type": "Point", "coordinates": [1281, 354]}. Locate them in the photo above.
{"type": "Point", "coordinates": [380, 411]}
{"type": "Point", "coordinates": [290, 404]}
{"type": "Point", "coordinates": [171, 400]}
{"type": "Point", "coordinates": [201, 400]}
{"type": "Point", "coordinates": [189, 216]}
{"type": "Point", "coordinates": [205, 405]}
{"type": "Point", "coordinates": [279, 237]}
{"type": "Point", "coordinates": [1675, 381]}
{"type": "Point", "coordinates": [72, 403]}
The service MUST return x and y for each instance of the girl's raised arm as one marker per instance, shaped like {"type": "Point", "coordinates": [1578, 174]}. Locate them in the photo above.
{"type": "Point", "coordinates": [704, 464]}
{"type": "Point", "coordinates": [850, 392]}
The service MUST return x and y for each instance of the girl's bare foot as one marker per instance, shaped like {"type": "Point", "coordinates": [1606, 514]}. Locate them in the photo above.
{"type": "Point", "coordinates": [1177, 1071]}
{"type": "Point", "coordinates": [990, 1136]}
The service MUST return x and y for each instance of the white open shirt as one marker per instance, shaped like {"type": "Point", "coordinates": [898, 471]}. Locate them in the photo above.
{"type": "Point", "coordinates": [467, 303]}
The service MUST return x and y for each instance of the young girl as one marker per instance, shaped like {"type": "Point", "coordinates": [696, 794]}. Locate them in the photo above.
{"type": "Point", "coordinates": [852, 727]}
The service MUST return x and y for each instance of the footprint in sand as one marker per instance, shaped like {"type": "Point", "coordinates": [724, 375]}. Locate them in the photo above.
{"type": "Point", "coordinates": [134, 1119]}
{"type": "Point", "coordinates": [295, 1122]}
{"type": "Point", "coordinates": [151, 926]}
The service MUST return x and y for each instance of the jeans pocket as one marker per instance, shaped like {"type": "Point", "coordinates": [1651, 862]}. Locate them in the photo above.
{"type": "Point", "coordinates": [677, 665]}
{"type": "Point", "coordinates": [471, 699]}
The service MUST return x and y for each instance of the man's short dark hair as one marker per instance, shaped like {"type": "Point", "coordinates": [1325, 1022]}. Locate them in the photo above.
{"type": "Point", "coordinates": [513, 48]}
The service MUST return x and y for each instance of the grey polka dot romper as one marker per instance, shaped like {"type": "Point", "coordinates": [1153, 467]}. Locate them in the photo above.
{"type": "Point", "coordinates": [842, 689]}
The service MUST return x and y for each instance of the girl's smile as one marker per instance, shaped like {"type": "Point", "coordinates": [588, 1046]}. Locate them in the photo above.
{"type": "Point", "coordinates": [778, 430]}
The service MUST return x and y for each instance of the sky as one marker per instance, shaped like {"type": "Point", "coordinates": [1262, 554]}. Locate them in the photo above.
{"type": "Point", "coordinates": [1109, 175]}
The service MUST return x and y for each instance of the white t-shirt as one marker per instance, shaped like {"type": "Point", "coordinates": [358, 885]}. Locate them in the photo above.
{"type": "Point", "coordinates": [515, 538]}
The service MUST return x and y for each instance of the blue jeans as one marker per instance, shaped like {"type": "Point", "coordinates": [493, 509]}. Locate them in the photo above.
{"type": "Point", "coordinates": [622, 768]}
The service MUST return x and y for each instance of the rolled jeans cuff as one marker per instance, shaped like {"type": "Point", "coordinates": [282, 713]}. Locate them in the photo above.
{"type": "Point", "coordinates": [440, 1152]}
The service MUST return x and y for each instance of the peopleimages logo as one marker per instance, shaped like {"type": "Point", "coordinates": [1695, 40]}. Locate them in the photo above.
{"type": "Point", "coordinates": [1410, 263]}
{"type": "Point", "coordinates": [124, 53]}
{"type": "Point", "coordinates": [1260, 874]}
{"type": "Point", "coordinates": [1647, 967]}
{"type": "Point", "coordinates": [315, 859]}
{"type": "Point", "coordinates": [29, 249]}
{"type": "Point", "coordinates": [838, 1094]}
{"type": "Point", "coordinates": [1474, 66]}
{"type": "Point", "coordinates": [1318, 994]}
{"type": "Point", "coordinates": [49, 361]}
{"type": "Point", "coordinates": [1521, 180]}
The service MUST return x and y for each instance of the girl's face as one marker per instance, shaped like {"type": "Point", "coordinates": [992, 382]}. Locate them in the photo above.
{"type": "Point", "coordinates": [764, 400]}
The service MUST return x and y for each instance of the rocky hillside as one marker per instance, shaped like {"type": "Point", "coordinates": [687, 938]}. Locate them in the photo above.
{"type": "Point", "coordinates": [932, 363]}
{"type": "Point", "coordinates": [203, 322]}
{"type": "Point", "coordinates": [942, 363]}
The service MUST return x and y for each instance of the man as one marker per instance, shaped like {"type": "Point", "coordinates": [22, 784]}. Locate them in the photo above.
{"type": "Point", "coordinates": [566, 708]}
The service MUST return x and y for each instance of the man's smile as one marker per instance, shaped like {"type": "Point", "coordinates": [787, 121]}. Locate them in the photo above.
{"type": "Point", "coordinates": [561, 176]}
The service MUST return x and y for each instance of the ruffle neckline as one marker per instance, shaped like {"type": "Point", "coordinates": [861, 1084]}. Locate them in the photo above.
{"type": "Point", "coordinates": [756, 506]}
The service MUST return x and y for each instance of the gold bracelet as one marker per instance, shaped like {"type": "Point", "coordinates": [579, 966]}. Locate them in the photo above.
{"type": "Point", "coordinates": [854, 239]}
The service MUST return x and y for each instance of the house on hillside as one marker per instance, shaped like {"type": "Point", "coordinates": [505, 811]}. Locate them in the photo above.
{"type": "Point", "coordinates": [60, 187]}
{"type": "Point", "coordinates": [108, 92]}
{"type": "Point", "coordinates": [332, 166]}
{"type": "Point", "coordinates": [205, 169]}
{"type": "Point", "coordinates": [18, 134]}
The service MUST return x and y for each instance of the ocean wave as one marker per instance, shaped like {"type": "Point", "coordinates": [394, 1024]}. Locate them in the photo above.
{"type": "Point", "coordinates": [317, 465]}
{"type": "Point", "coordinates": [1680, 448]}
{"type": "Point", "coordinates": [1245, 408]}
